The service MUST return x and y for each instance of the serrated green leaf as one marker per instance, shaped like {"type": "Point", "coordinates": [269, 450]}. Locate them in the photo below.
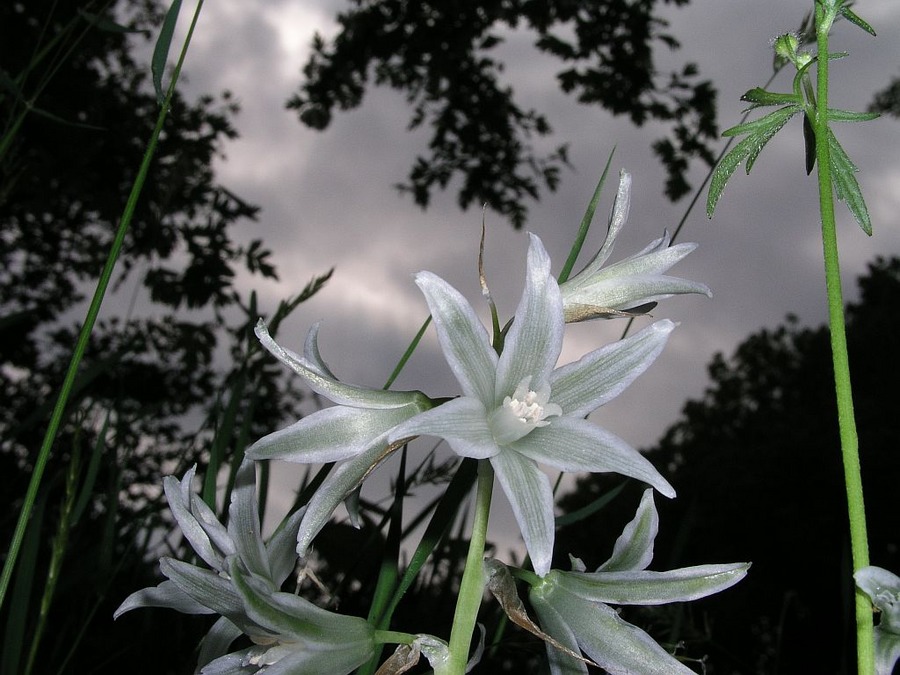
{"type": "Point", "coordinates": [854, 18]}
{"type": "Point", "coordinates": [760, 97]}
{"type": "Point", "coordinates": [837, 115]}
{"type": "Point", "coordinates": [759, 133]}
{"type": "Point", "coordinates": [845, 184]}
{"type": "Point", "coordinates": [161, 49]}
{"type": "Point", "coordinates": [760, 124]}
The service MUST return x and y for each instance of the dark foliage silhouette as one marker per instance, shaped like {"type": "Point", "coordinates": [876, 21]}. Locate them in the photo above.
{"type": "Point", "coordinates": [76, 113]}
{"type": "Point", "coordinates": [752, 462]}
{"type": "Point", "coordinates": [443, 57]}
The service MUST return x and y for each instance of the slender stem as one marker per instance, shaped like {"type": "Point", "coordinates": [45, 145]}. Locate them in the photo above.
{"type": "Point", "coordinates": [393, 637]}
{"type": "Point", "coordinates": [472, 586]}
{"type": "Point", "coordinates": [846, 420]}
{"type": "Point", "coordinates": [89, 320]}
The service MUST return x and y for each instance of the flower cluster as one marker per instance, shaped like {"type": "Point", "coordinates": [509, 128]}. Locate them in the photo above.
{"type": "Point", "coordinates": [243, 587]}
{"type": "Point", "coordinates": [517, 410]}
{"type": "Point", "coordinates": [573, 607]}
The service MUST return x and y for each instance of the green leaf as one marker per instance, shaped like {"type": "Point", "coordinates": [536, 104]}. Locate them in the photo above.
{"type": "Point", "coordinates": [760, 97]}
{"type": "Point", "coordinates": [585, 223]}
{"type": "Point", "coordinates": [854, 18]}
{"type": "Point", "coordinates": [759, 132]}
{"type": "Point", "coordinates": [161, 50]}
{"type": "Point", "coordinates": [845, 185]}
{"type": "Point", "coordinates": [809, 144]}
{"type": "Point", "coordinates": [837, 115]}
{"type": "Point", "coordinates": [107, 25]}
{"type": "Point", "coordinates": [589, 510]}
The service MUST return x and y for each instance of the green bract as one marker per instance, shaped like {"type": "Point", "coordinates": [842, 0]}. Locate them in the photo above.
{"type": "Point", "coordinates": [883, 589]}
{"type": "Point", "coordinates": [516, 410]}
{"type": "Point", "coordinates": [629, 285]}
{"type": "Point", "coordinates": [572, 609]}
{"type": "Point", "coordinates": [356, 430]}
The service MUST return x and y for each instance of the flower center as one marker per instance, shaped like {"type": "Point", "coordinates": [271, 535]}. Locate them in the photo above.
{"type": "Point", "coordinates": [520, 413]}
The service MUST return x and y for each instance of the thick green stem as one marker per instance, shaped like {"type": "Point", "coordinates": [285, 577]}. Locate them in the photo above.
{"type": "Point", "coordinates": [472, 587]}
{"type": "Point", "coordinates": [846, 421]}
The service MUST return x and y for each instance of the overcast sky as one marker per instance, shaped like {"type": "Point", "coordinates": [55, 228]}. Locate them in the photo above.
{"type": "Point", "coordinates": [327, 197]}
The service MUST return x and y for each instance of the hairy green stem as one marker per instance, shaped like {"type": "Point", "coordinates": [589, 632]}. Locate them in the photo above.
{"type": "Point", "coordinates": [80, 346]}
{"type": "Point", "coordinates": [472, 587]}
{"type": "Point", "coordinates": [846, 421]}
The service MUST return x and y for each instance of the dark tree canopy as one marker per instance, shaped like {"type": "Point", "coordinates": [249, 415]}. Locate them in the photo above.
{"type": "Point", "coordinates": [442, 56]}
{"type": "Point", "coordinates": [76, 114]}
{"type": "Point", "coordinates": [65, 176]}
{"type": "Point", "coordinates": [756, 463]}
{"type": "Point", "coordinates": [887, 101]}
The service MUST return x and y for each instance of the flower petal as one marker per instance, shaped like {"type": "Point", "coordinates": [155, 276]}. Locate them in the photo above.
{"type": "Point", "coordinates": [207, 588]}
{"type": "Point", "coordinates": [534, 341]}
{"type": "Point", "coordinates": [583, 386]}
{"type": "Point", "coordinates": [655, 259]}
{"type": "Point", "coordinates": [340, 482]}
{"type": "Point", "coordinates": [643, 587]}
{"type": "Point", "coordinates": [217, 641]}
{"type": "Point", "coordinates": [322, 383]}
{"type": "Point", "coordinates": [166, 594]}
{"type": "Point", "coordinates": [554, 625]}
{"type": "Point", "coordinates": [634, 547]}
{"type": "Point", "coordinates": [232, 664]}
{"type": "Point", "coordinates": [462, 422]}
{"type": "Point", "coordinates": [291, 616]}
{"type": "Point", "coordinates": [623, 293]}
{"type": "Point", "coordinates": [311, 352]}
{"type": "Point", "coordinates": [574, 444]}
{"type": "Point", "coordinates": [329, 435]}
{"type": "Point", "coordinates": [617, 219]}
{"type": "Point", "coordinates": [243, 521]}
{"type": "Point", "coordinates": [614, 644]}
{"type": "Point", "coordinates": [528, 490]}
{"type": "Point", "coordinates": [883, 589]}
{"type": "Point", "coordinates": [179, 495]}
{"type": "Point", "coordinates": [464, 339]}
{"type": "Point", "coordinates": [281, 547]}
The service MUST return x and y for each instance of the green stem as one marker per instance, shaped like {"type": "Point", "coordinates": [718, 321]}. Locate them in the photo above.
{"type": "Point", "coordinates": [85, 334]}
{"type": "Point", "coordinates": [846, 421]}
{"type": "Point", "coordinates": [393, 637]}
{"type": "Point", "coordinates": [472, 586]}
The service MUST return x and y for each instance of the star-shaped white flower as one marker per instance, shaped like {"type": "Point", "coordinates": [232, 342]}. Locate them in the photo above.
{"type": "Point", "coordinates": [242, 584]}
{"type": "Point", "coordinates": [517, 411]}
{"type": "Point", "coordinates": [354, 430]}
{"type": "Point", "coordinates": [572, 606]}
{"type": "Point", "coordinates": [634, 284]}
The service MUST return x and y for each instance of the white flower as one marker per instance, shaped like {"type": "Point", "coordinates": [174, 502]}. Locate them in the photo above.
{"type": "Point", "coordinates": [355, 430]}
{"type": "Point", "coordinates": [243, 585]}
{"type": "Point", "coordinates": [572, 609]}
{"type": "Point", "coordinates": [630, 285]}
{"type": "Point", "coordinates": [516, 410]}
{"type": "Point", "coordinates": [883, 589]}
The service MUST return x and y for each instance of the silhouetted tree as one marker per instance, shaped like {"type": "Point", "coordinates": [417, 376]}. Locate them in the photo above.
{"type": "Point", "coordinates": [76, 113]}
{"type": "Point", "coordinates": [887, 101]}
{"type": "Point", "coordinates": [756, 463]}
{"type": "Point", "coordinates": [442, 56]}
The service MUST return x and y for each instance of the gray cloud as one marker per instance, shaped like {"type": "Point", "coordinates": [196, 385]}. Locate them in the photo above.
{"type": "Point", "coordinates": [328, 200]}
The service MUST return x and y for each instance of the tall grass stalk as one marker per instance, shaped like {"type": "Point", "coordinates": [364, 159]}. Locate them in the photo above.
{"type": "Point", "coordinates": [59, 408]}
